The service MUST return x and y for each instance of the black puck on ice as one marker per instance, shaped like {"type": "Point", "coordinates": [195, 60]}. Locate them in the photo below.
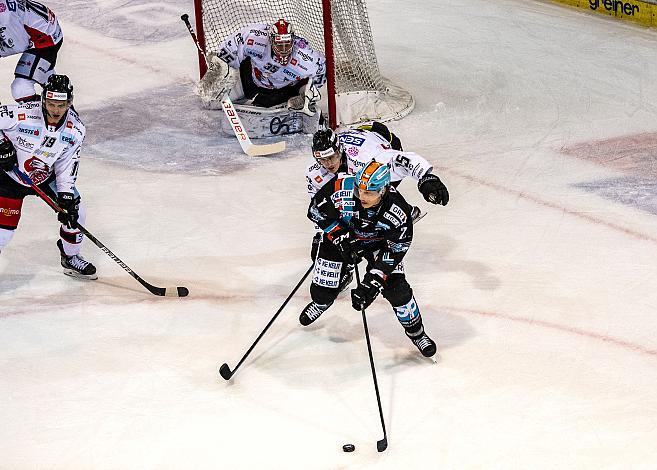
{"type": "Point", "coordinates": [348, 447]}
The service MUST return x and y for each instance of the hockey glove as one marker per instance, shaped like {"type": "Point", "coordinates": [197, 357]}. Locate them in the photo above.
{"type": "Point", "coordinates": [7, 155]}
{"type": "Point", "coordinates": [71, 205]}
{"type": "Point", "coordinates": [433, 190]}
{"type": "Point", "coordinates": [363, 295]}
{"type": "Point", "coordinates": [346, 243]}
{"type": "Point", "coordinates": [317, 239]}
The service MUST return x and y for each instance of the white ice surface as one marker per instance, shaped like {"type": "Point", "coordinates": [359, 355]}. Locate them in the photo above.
{"type": "Point", "coordinates": [537, 280]}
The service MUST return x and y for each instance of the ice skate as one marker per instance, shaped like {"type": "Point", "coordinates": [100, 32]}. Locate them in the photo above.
{"type": "Point", "coordinates": [312, 312]}
{"type": "Point", "coordinates": [76, 266]}
{"type": "Point", "coordinates": [425, 344]}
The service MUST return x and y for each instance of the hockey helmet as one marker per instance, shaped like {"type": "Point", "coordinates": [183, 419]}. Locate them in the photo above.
{"type": "Point", "coordinates": [325, 144]}
{"type": "Point", "coordinates": [282, 40]}
{"type": "Point", "coordinates": [374, 176]}
{"type": "Point", "coordinates": [58, 88]}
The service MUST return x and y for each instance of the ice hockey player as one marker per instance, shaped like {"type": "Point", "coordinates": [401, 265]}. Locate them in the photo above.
{"type": "Point", "coordinates": [31, 29]}
{"type": "Point", "coordinates": [268, 66]}
{"type": "Point", "coordinates": [363, 216]}
{"type": "Point", "coordinates": [350, 150]}
{"type": "Point", "coordinates": [42, 139]}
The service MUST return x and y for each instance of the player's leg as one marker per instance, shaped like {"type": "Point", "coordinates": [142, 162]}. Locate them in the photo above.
{"type": "Point", "coordinates": [398, 292]}
{"type": "Point", "coordinates": [325, 286]}
{"type": "Point", "coordinates": [11, 203]}
{"type": "Point", "coordinates": [34, 66]}
{"type": "Point", "coordinates": [70, 241]}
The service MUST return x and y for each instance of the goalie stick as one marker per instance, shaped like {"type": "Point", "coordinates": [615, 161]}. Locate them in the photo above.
{"type": "Point", "coordinates": [161, 291]}
{"type": "Point", "coordinates": [248, 147]}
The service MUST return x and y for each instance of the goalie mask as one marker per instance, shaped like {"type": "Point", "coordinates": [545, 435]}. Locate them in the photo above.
{"type": "Point", "coordinates": [282, 41]}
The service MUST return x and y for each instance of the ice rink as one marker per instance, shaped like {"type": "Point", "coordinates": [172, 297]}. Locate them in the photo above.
{"type": "Point", "coordinates": [537, 280]}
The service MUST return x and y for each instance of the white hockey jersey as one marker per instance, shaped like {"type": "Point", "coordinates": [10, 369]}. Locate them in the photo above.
{"type": "Point", "coordinates": [253, 41]}
{"type": "Point", "coordinates": [26, 24]}
{"type": "Point", "coordinates": [41, 149]}
{"type": "Point", "coordinates": [361, 146]}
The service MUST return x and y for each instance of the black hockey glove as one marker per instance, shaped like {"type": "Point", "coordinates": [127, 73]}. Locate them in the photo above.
{"type": "Point", "coordinates": [363, 295]}
{"type": "Point", "coordinates": [346, 243]}
{"type": "Point", "coordinates": [433, 190]}
{"type": "Point", "coordinates": [71, 205]}
{"type": "Point", "coordinates": [317, 239]}
{"type": "Point", "coordinates": [7, 155]}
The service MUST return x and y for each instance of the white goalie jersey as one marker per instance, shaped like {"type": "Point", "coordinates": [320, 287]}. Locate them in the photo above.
{"type": "Point", "coordinates": [253, 41]}
{"type": "Point", "coordinates": [360, 147]}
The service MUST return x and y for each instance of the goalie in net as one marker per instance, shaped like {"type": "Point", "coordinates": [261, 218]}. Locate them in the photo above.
{"type": "Point", "coordinates": [272, 76]}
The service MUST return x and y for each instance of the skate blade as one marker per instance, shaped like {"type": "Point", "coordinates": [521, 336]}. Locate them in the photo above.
{"type": "Point", "coordinates": [77, 275]}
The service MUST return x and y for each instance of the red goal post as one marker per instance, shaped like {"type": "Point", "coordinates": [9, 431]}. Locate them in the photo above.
{"type": "Point", "coordinates": [356, 92]}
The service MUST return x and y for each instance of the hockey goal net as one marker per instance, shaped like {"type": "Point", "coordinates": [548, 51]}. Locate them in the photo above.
{"type": "Point", "coordinates": [356, 91]}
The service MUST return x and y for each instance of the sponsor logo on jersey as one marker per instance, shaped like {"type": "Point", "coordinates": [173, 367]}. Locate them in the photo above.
{"type": "Point", "coordinates": [29, 130]}
{"type": "Point", "coordinates": [2, 7]}
{"type": "Point", "coordinates": [24, 143]}
{"type": "Point", "coordinates": [352, 140]}
{"type": "Point", "coordinates": [4, 112]}
{"type": "Point", "coordinates": [250, 42]}
{"type": "Point", "coordinates": [69, 124]}
{"type": "Point", "coordinates": [353, 151]}
{"type": "Point", "coordinates": [31, 104]}
{"type": "Point", "coordinates": [9, 212]}
{"type": "Point", "coordinates": [293, 61]}
{"type": "Point", "coordinates": [37, 169]}
{"type": "Point", "coordinates": [305, 56]}
{"type": "Point", "coordinates": [319, 179]}
{"type": "Point", "coordinates": [301, 43]}
{"type": "Point", "coordinates": [21, 117]}
{"type": "Point", "coordinates": [67, 139]}
{"type": "Point", "coordinates": [258, 32]}
{"type": "Point", "coordinates": [290, 73]}
{"type": "Point", "coordinates": [616, 6]}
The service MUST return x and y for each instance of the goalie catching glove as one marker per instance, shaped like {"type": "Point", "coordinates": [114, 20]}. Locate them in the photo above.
{"type": "Point", "coordinates": [363, 295]}
{"type": "Point", "coordinates": [433, 190]}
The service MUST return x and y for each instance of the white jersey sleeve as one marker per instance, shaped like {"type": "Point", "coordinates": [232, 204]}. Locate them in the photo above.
{"type": "Point", "coordinates": [316, 177]}
{"type": "Point", "coordinates": [67, 164]}
{"type": "Point", "coordinates": [27, 24]}
{"type": "Point", "coordinates": [362, 146]}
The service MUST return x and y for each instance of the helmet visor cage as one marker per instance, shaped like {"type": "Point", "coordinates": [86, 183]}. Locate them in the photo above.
{"type": "Point", "coordinates": [281, 45]}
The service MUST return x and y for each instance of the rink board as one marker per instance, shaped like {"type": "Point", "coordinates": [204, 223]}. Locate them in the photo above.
{"type": "Point", "coordinates": [630, 10]}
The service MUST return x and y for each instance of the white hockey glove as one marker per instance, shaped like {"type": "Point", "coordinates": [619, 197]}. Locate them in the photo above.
{"type": "Point", "coordinates": [305, 100]}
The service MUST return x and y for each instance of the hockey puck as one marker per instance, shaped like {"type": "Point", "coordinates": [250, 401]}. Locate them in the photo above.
{"type": "Point", "coordinates": [348, 448]}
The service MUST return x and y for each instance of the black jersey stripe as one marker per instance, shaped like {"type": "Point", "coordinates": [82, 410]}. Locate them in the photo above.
{"type": "Point", "coordinates": [37, 8]}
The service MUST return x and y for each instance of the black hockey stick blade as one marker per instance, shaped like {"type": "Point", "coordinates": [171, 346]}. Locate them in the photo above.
{"type": "Point", "coordinates": [171, 291]}
{"type": "Point", "coordinates": [225, 372]}
{"type": "Point", "coordinates": [382, 444]}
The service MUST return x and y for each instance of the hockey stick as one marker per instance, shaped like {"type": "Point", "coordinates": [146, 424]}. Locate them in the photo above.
{"type": "Point", "coordinates": [224, 370]}
{"type": "Point", "coordinates": [248, 147]}
{"type": "Point", "coordinates": [161, 291]}
{"type": "Point", "coordinates": [383, 443]}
